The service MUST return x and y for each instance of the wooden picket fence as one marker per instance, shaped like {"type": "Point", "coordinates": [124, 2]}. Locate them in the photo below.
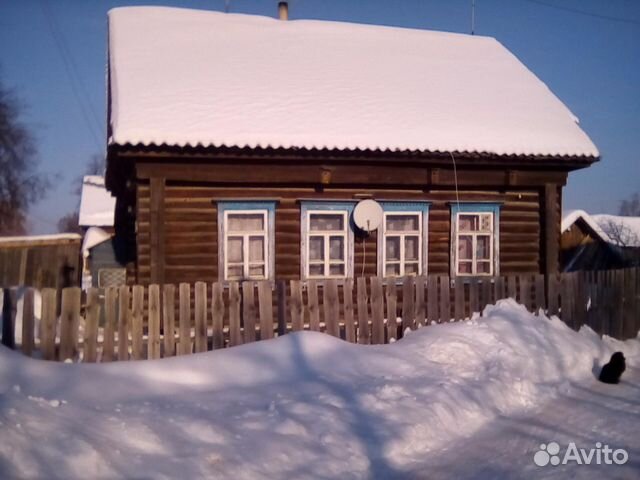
{"type": "Point", "coordinates": [132, 323]}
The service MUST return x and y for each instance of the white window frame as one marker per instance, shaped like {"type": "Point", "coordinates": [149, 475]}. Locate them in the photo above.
{"type": "Point", "coordinates": [326, 235]}
{"type": "Point", "coordinates": [492, 209]}
{"type": "Point", "coordinates": [402, 234]}
{"type": "Point", "coordinates": [246, 235]}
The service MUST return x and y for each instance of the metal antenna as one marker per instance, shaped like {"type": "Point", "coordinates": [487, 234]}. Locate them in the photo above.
{"type": "Point", "coordinates": [473, 16]}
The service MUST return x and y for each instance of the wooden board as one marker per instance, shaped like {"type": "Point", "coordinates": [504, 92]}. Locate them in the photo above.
{"type": "Point", "coordinates": [364, 336]}
{"type": "Point", "coordinates": [349, 325]}
{"type": "Point", "coordinates": [377, 311]}
{"type": "Point", "coordinates": [217, 314]}
{"type": "Point", "coordinates": [48, 324]}
{"type": "Point", "coordinates": [110, 323]}
{"type": "Point", "coordinates": [408, 304]}
{"type": "Point", "coordinates": [265, 303]}
{"type": "Point", "coordinates": [169, 320]}
{"type": "Point", "coordinates": [69, 323]}
{"type": "Point", "coordinates": [200, 317]}
{"type": "Point", "coordinates": [184, 319]}
{"type": "Point", "coordinates": [296, 307]}
{"type": "Point", "coordinates": [137, 321]}
{"type": "Point", "coordinates": [331, 308]}
{"type": "Point", "coordinates": [90, 353]}
{"type": "Point", "coordinates": [235, 333]}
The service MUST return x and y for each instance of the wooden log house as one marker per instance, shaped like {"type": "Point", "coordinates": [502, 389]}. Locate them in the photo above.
{"type": "Point", "coordinates": [238, 147]}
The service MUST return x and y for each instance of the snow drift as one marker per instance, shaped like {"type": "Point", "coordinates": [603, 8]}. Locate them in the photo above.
{"type": "Point", "coordinates": [305, 405]}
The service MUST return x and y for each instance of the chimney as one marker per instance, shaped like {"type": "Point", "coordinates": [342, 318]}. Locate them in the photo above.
{"type": "Point", "coordinates": [283, 10]}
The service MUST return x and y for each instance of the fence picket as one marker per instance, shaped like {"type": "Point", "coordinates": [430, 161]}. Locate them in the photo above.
{"type": "Point", "coordinates": [248, 312]}
{"type": "Point", "coordinates": [392, 309]}
{"type": "Point", "coordinates": [331, 308]}
{"type": "Point", "coordinates": [566, 298]}
{"type": "Point", "coordinates": [553, 290]}
{"type": "Point", "coordinates": [421, 306]}
{"type": "Point", "coordinates": [377, 312]}
{"type": "Point", "coordinates": [474, 297]}
{"type": "Point", "coordinates": [110, 324]}
{"type": "Point", "coordinates": [69, 322]}
{"type": "Point", "coordinates": [137, 320]}
{"type": "Point", "coordinates": [408, 304]}
{"type": "Point", "coordinates": [511, 287]}
{"type": "Point", "coordinates": [48, 323]}
{"type": "Point", "coordinates": [296, 307]}
{"type": "Point", "coordinates": [200, 316]}
{"type": "Point", "coordinates": [281, 292]}
{"type": "Point", "coordinates": [265, 304]}
{"type": "Point", "coordinates": [524, 293]}
{"type": "Point", "coordinates": [445, 306]}
{"type": "Point", "coordinates": [499, 293]}
{"type": "Point", "coordinates": [363, 313]}
{"type": "Point", "coordinates": [169, 320]}
{"type": "Point", "coordinates": [9, 310]}
{"type": "Point", "coordinates": [432, 299]}
{"type": "Point", "coordinates": [27, 322]}
{"type": "Point", "coordinates": [485, 290]}
{"type": "Point", "coordinates": [184, 319]}
{"type": "Point", "coordinates": [458, 299]}
{"type": "Point", "coordinates": [349, 326]}
{"type": "Point", "coordinates": [235, 334]}
{"type": "Point", "coordinates": [123, 323]}
{"type": "Point", "coordinates": [90, 353]}
{"type": "Point", "coordinates": [217, 314]}
{"type": "Point", "coordinates": [153, 346]}
{"type": "Point", "coordinates": [312, 306]}
{"type": "Point", "coordinates": [540, 300]}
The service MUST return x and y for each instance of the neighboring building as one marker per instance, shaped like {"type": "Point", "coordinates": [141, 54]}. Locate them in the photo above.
{"type": "Point", "coordinates": [104, 262]}
{"type": "Point", "coordinates": [239, 146]}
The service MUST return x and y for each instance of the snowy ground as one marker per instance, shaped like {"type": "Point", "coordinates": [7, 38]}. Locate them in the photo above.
{"type": "Point", "coordinates": [464, 400]}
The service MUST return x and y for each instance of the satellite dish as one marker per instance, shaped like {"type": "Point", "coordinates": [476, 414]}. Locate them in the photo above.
{"type": "Point", "coordinates": [367, 215]}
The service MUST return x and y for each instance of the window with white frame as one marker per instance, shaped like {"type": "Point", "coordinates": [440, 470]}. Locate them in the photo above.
{"type": "Point", "coordinates": [327, 241]}
{"type": "Point", "coordinates": [475, 241]}
{"type": "Point", "coordinates": [246, 236]}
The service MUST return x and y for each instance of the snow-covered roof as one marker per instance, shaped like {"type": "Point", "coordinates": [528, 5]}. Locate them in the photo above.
{"type": "Point", "coordinates": [199, 78]}
{"type": "Point", "coordinates": [40, 239]}
{"type": "Point", "coordinates": [572, 216]}
{"type": "Point", "coordinates": [97, 206]}
{"type": "Point", "coordinates": [92, 237]}
{"type": "Point", "coordinates": [624, 231]}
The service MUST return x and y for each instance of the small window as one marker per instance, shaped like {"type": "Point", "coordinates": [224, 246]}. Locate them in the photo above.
{"type": "Point", "coordinates": [402, 244]}
{"type": "Point", "coordinates": [327, 241]}
{"type": "Point", "coordinates": [111, 277]}
{"type": "Point", "coordinates": [474, 237]}
{"type": "Point", "coordinates": [247, 241]}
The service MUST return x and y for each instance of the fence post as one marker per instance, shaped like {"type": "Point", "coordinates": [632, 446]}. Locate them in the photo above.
{"type": "Point", "coordinates": [9, 309]}
{"type": "Point", "coordinates": [27, 322]}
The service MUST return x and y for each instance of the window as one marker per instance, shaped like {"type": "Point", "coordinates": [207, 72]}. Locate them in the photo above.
{"type": "Point", "coordinates": [327, 240]}
{"type": "Point", "coordinates": [402, 248]}
{"type": "Point", "coordinates": [246, 240]}
{"type": "Point", "coordinates": [475, 239]}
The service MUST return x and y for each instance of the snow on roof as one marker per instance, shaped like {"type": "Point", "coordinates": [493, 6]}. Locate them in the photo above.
{"type": "Point", "coordinates": [186, 77]}
{"type": "Point", "coordinates": [39, 239]}
{"type": "Point", "coordinates": [97, 206]}
{"type": "Point", "coordinates": [572, 216]}
{"type": "Point", "coordinates": [93, 236]}
{"type": "Point", "coordinates": [624, 231]}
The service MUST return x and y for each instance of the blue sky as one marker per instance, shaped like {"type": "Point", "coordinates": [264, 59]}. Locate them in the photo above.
{"type": "Point", "coordinates": [590, 60]}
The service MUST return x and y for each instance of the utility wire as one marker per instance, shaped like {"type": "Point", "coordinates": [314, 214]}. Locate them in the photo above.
{"type": "Point", "coordinates": [86, 107]}
{"type": "Point", "coordinates": [586, 14]}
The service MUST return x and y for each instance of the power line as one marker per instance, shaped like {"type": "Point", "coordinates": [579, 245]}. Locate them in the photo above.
{"type": "Point", "coordinates": [584, 13]}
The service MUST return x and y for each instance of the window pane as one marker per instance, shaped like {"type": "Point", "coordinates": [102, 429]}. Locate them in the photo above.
{"type": "Point", "coordinates": [411, 248]}
{"type": "Point", "coordinates": [326, 221]}
{"type": "Point", "coordinates": [465, 247]}
{"type": "Point", "coordinates": [234, 272]}
{"type": "Point", "coordinates": [316, 270]}
{"type": "Point", "coordinates": [464, 267]}
{"type": "Point", "coordinates": [486, 222]}
{"type": "Point", "coordinates": [316, 248]}
{"type": "Point", "coordinates": [393, 248]}
{"type": "Point", "coordinates": [242, 222]}
{"type": "Point", "coordinates": [234, 246]}
{"type": "Point", "coordinates": [336, 248]}
{"type": "Point", "coordinates": [468, 223]}
{"type": "Point", "coordinates": [256, 271]}
{"type": "Point", "coordinates": [411, 269]}
{"type": "Point", "coordinates": [483, 267]}
{"type": "Point", "coordinates": [483, 243]}
{"type": "Point", "coordinates": [403, 223]}
{"type": "Point", "coordinates": [256, 249]}
{"type": "Point", "coordinates": [392, 270]}
{"type": "Point", "coordinates": [336, 269]}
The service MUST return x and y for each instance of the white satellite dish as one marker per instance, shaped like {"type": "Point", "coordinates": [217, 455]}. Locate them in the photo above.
{"type": "Point", "coordinates": [367, 215]}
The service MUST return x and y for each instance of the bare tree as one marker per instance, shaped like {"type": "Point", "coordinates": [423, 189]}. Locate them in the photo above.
{"type": "Point", "coordinates": [621, 234]}
{"type": "Point", "coordinates": [21, 185]}
{"type": "Point", "coordinates": [631, 206]}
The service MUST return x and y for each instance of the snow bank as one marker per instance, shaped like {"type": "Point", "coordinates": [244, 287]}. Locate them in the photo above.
{"type": "Point", "coordinates": [305, 405]}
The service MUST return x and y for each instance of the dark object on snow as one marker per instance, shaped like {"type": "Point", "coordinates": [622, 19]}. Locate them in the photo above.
{"type": "Point", "coordinates": [612, 371]}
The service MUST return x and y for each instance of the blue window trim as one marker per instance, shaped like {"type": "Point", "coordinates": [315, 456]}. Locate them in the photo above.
{"type": "Point", "coordinates": [475, 207]}
{"type": "Point", "coordinates": [326, 205]}
{"type": "Point", "coordinates": [406, 206]}
{"type": "Point", "coordinates": [270, 207]}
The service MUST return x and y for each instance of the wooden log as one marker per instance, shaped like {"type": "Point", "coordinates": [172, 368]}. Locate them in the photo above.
{"type": "Point", "coordinates": [364, 336]}
{"type": "Point", "coordinates": [110, 323]}
{"type": "Point", "coordinates": [48, 324]}
{"type": "Point", "coordinates": [28, 322]}
{"type": "Point", "coordinates": [9, 311]}
{"type": "Point", "coordinates": [408, 304]}
{"type": "Point", "coordinates": [459, 299]}
{"type": "Point", "coordinates": [235, 333]}
{"type": "Point", "coordinates": [281, 291]}
{"type": "Point", "coordinates": [137, 320]}
{"type": "Point", "coordinates": [540, 300]}
{"type": "Point", "coordinates": [331, 308]}
{"type": "Point", "coordinates": [313, 306]}
{"type": "Point", "coordinates": [421, 306]}
{"type": "Point", "coordinates": [200, 316]}
{"type": "Point", "coordinates": [392, 310]}
{"type": "Point", "coordinates": [474, 297]}
{"type": "Point", "coordinates": [349, 325]}
{"type": "Point", "coordinates": [169, 319]}
{"type": "Point", "coordinates": [153, 347]}
{"type": "Point", "coordinates": [217, 314]}
{"type": "Point", "coordinates": [265, 305]}
{"type": "Point", "coordinates": [445, 306]}
{"type": "Point", "coordinates": [184, 319]}
{"type": "Point", "coordinates": [248, 312]}
{"type": "Point", "coordinates": [69, 322]}
{"type": "Point", "coordinates": [296, 307]}
{"type": "Point", "coordinates": [432, 299]}
{"type": "Point", "coordinates": [124, 314]}
{"type": "Point", "coordinates": [377, 311]}
{"type": "Point", "coordinates": [90, 353]}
